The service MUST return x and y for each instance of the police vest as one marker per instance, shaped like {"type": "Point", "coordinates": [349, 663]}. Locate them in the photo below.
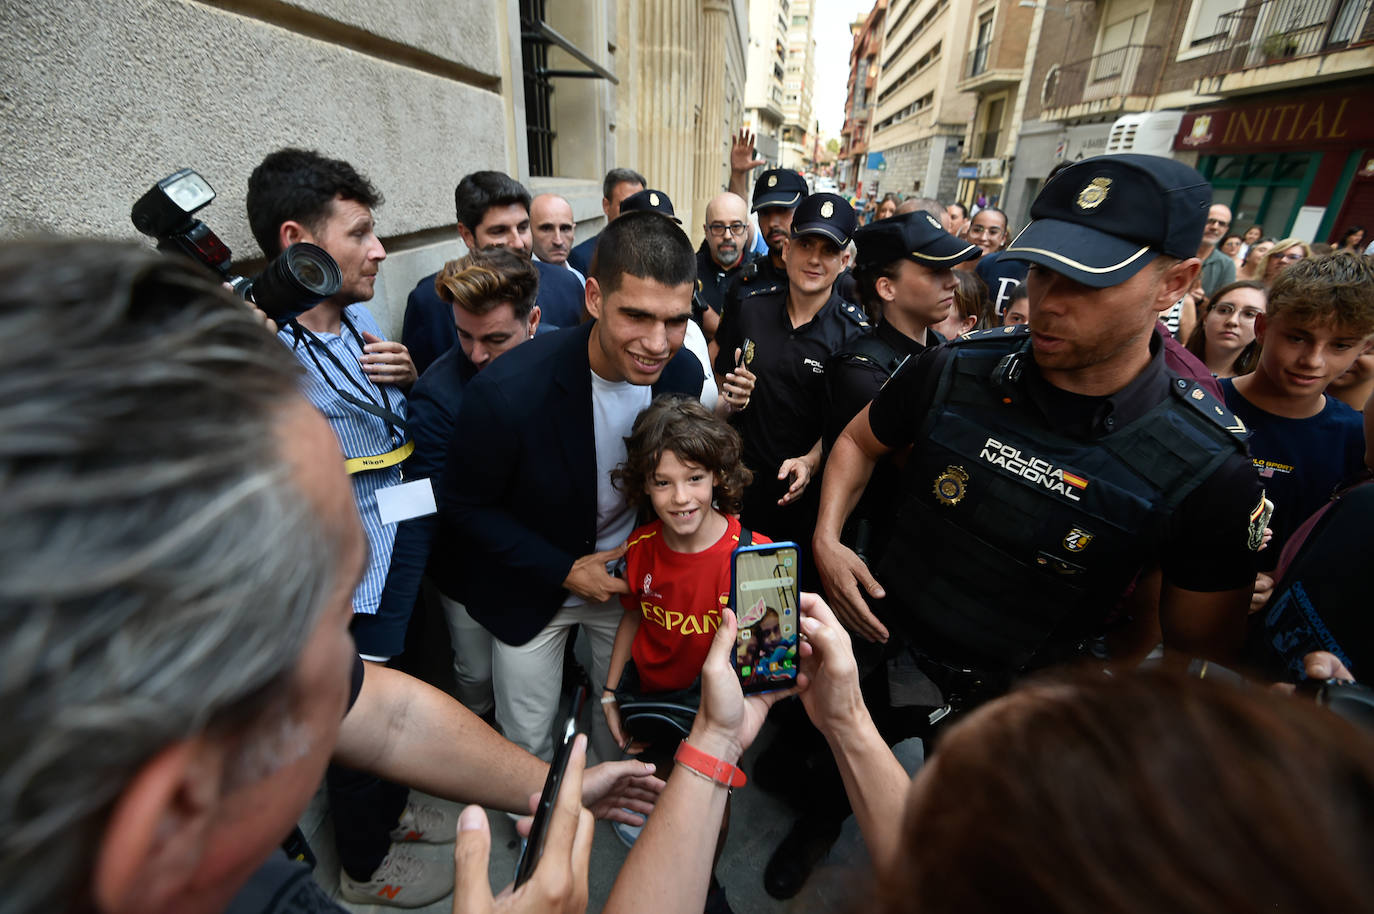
{"type": "Point", "coordinates": [1012, 540]}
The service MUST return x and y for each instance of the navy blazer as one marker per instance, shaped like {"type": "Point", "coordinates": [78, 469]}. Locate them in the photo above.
{"type": "Point", "coordinates": [517, 499]}
{"type": "Point", "coordinates": [428, 331]}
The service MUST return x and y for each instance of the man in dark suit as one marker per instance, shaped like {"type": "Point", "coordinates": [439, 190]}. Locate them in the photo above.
{"type": "Point", "coordinates": [530, 522]}
{"type": "Point", "coordinates": [493, 212]}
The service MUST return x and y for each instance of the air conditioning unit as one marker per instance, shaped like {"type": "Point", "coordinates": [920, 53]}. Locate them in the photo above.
{"type": "Point", "coordinates": [1150, 133]}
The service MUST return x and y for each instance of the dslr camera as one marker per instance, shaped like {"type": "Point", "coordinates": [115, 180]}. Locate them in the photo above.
{"type": "Point", "coordinates": [300, 278]}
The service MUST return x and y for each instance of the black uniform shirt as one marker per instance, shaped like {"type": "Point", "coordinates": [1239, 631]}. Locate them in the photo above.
{"type": "Point", "coordinates": [785, 414]}
{"type": "Point", "coordinates": [851, 383]}
{"type": "Point", "coordinates": [753, 278]}
{"type": "Point", "coordinates": [716, 279]}
{"type": "Point", "coordinates": [1206, 547]}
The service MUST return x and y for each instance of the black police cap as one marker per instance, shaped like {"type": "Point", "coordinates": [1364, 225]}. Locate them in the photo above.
{"type": "Point", "coordinates": [828, 215]}
{"type": "Point", "coordinates": [779, 187]}
{"type": "Point", "coordinates": [649, 201]}
{"type": "Point", "coordinates": [1101, 220]}
{"type": "Point", "coordinates": [916, 236]}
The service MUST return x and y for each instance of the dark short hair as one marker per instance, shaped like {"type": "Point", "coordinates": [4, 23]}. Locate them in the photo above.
{"type": "Point", "coordinates": [866, 278]}
{"type": "Point", "coordinates": [696, 435]}
{"type": "Point", "coordinates": [963, 210]}
{"type": "Point", "coordinates": [300, 185]}
{"type": "Point", "coordinates": [484, 280]}
{"type": "Point", "coordinates": [646, 245]}
{"type": "Point", "coordinates": [480, 191]}
{"type": "Point", "coordinates": [620, 176]}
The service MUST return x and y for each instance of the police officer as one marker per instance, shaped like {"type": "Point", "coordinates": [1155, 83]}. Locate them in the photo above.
{"type": "Point", "coordinates": [784, 333]}
{"type": "Point", "coordinates": [904, 270]}
{"type": "Point", "coordinates": [777, 194]}
{"type": "Point", "coordinates": [1048, 467]}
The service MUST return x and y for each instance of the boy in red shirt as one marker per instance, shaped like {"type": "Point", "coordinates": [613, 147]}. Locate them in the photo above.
{"type": "Point", "coordinates": [685, 463]}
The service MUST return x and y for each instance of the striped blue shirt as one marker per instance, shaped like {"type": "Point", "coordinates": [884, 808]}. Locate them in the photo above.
{"type": "Point", "coordinates": [360, 433]}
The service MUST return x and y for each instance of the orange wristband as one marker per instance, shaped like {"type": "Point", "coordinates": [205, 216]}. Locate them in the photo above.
{"type": "Point", "coordinates": [709, 765]}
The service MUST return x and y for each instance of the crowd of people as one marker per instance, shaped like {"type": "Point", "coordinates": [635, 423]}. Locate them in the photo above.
{"type": "Point", "coordinates": [1016, 464]}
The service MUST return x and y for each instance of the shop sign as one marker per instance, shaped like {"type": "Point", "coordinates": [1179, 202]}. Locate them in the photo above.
{"type": "Point", "coordinates": [1285, 123]}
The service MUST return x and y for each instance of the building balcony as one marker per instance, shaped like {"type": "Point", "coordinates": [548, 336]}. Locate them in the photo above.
{"type": "Point", "coordinates": [979, 74]}
{"type": "Point", "coordinates": [1277, 43]}
{"type": "Point", "coordinates": [1118, 81]}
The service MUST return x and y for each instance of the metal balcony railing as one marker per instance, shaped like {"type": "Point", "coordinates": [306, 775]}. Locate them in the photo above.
{"type": "Point", "coordinates": [1272, 31]}
{"type": "Point", "coordinates": [1121, 72]}
{"type": "Point", "coordinates": [977, 60]}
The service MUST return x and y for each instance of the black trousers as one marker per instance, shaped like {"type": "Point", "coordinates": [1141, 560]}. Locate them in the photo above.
{"type": "Point", "coordinates": [365, 810]}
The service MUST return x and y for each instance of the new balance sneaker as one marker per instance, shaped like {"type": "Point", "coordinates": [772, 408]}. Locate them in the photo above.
{"type": "Point", "coordinates": [404, 880]}
{"type": "Point", "coordinates": [426, 823]}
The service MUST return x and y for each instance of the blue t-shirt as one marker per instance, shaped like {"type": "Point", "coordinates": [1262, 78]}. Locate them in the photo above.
{"type": "Point", "coordinates": [1301, 462]}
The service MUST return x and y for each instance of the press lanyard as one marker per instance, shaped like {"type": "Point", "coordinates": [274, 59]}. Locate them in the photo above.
{"type": "Point", "coordinates": [396, 426]}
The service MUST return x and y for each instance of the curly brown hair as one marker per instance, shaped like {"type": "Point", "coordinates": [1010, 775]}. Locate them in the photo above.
{"type": "Point", "coordinates": [696, 435]}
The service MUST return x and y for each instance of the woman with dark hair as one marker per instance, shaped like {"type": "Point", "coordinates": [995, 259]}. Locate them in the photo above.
{"type": "Point", "coordinates": [1225, 338]}
{"type": "Point", "coordinates": [1352, 240]}
{"type": "Point", "coordinates": [969, 309]}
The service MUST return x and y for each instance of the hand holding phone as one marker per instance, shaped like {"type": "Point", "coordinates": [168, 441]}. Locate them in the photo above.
{"type": "Point", "coordinates": [559, 882]}
{"type": "Point", "coordinates": [766, 600]}
{"type": "Point", "coordinates": [543, 813]}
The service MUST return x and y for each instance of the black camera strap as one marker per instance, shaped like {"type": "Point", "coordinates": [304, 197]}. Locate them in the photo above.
{"type": "Point", "coordinates": [396, 426]}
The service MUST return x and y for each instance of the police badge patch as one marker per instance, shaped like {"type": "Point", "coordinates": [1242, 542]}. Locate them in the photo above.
{"type": "Point", "coordinates": [827, 209]}
{"type": "Point", "coordinates": [952, 485]}
{"type": "Point", "coordinates": [653, 199]}
{"type": "Point", "coordinates": [1077, 539]}
{"type": "Point", "coordinates": [1091, 197]}
{"type": "Point", "coordinates": [772, 180]}
{"type": "Point", "coordinates": [748, 354]}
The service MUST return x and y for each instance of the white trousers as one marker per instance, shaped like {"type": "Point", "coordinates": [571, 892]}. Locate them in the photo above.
{"type": "Point", "coordinates": [471, 657]}
{"type": "Point", "coordinates": [528, 679]}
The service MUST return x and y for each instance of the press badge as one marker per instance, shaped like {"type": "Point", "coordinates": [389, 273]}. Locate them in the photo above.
{"type": "Point", "coordinates": [406, 501]}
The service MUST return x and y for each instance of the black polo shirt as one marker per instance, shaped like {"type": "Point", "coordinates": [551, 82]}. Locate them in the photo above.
{"type": "Point", "coordinates": [785, 416]}
{"type": "Point", "coordinates": [1207, 544]}
{"type": "Point", "coordinates": [715, 279]}
{"type": "Point", "coordinates": [852, 383]}
{"type": "Point", "coordinates": [753, 278]}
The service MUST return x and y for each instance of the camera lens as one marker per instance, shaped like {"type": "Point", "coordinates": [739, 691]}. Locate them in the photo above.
{"type": "Point", "coordinates": [298, 280]}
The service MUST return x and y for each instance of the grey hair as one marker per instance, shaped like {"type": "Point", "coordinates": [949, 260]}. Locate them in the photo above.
{"type": "Point", "coordinates": [159, 574]}
{"type": "Point", "coordinates": [922, 204]}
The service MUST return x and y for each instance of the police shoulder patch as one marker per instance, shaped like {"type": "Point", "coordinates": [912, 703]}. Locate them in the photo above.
{"type": "Point", "coordinates": [772, 288]}
{"type": "Point", "coordinates": [1207, 405]}
{"type": "Point", "coordinates": [854, 314]}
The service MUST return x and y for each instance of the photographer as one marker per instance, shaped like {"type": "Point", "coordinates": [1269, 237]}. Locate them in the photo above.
{"type": "Point", "coordinates": [354, 378]}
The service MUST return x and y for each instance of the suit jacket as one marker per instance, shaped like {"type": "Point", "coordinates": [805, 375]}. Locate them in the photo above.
{"type": "Point", "coordinates": [517, 499]}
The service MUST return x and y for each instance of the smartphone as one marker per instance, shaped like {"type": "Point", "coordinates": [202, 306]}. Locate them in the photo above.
{"type": "Point", "coordinates": [765, 596]}
{"type": "Point", "coordinates": [534, 844]}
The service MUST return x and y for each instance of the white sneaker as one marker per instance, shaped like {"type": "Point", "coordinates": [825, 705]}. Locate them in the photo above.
{"type": "Point", "coordinates": [403, 881]}
{"type": "Point", "coordinates": [426, 823]}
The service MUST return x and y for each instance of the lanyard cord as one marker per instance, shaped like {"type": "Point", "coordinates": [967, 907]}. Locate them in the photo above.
{"type": "Point", "coordinates": [396, 426]}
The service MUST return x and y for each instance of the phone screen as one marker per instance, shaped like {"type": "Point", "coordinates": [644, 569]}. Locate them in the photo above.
{"type": "Point", "coordinates": [765, 600]}
{"type": "Point", "coordinates": [534, 844]}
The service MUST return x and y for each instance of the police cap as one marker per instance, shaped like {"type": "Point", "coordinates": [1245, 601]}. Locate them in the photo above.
{"type": "Point", "coordinates": [916, 236]}
{"type": "Point", "coordinates": [650, 201]}
{"type": "Point", "coordinates": [828, 215]}
{"type": "Point", "coordinates": [1101, 220]}
{"type": "Point", "coordinates": [778, 187]}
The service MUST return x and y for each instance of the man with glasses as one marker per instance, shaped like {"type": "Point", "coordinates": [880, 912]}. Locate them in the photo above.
{"type": "Point", "coordinates": [722, 255]}
{"type": "Point", "coordinates": [1217, 269]}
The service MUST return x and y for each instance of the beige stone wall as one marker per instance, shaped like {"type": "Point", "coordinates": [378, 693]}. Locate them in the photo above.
{"type": "Point", "coordinates": [102, 99]}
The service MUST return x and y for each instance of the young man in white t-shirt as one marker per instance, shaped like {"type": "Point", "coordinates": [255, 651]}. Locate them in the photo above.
{"type": "Point", "coordinates": [531, 517]}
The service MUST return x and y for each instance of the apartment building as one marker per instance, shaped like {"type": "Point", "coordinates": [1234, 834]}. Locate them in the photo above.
{"type": "Point", "coordinates": [921, 116]}
{"type": "Point", "coordinates": [769, 21]}
{"type": "Point", "coordinates": [799, 81]}
{"type": "Point", "coordinates": [861, 98]}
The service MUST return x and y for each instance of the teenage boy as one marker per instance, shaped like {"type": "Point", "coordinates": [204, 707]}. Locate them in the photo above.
{"type": "Point", "coordinates": [1318, 319]}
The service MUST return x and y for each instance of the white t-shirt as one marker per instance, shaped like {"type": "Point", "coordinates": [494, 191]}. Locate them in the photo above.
{"type": "Point", "coordinates": [695, 343]}
{"type": "Point", "coordinates": [615, 405]}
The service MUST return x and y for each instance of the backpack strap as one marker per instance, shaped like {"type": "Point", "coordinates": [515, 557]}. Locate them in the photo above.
{"type": "Point", "coordinates": [746, 536]}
